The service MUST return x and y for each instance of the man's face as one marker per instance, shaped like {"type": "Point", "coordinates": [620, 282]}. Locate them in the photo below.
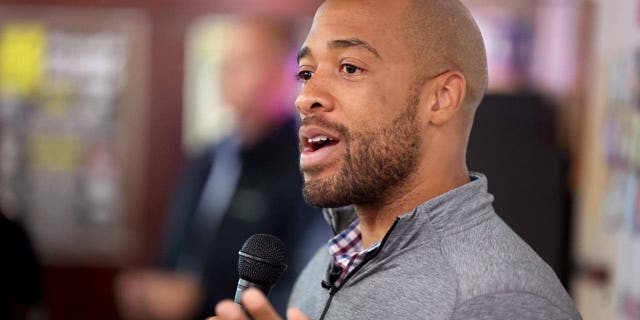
{"type": "Point", "coordinates": [252, 71]}
{"type": "Point", "coordinates": [360, 133]}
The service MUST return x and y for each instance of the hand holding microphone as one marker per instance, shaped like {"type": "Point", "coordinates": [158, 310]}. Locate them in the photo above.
{"type": "Point", "coordinates": [262, 261]}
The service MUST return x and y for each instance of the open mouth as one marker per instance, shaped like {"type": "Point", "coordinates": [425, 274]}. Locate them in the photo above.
{"type": "Point", "coordinates": [318, 147]}
{"type": "Point", "coordinates": [318, 142]}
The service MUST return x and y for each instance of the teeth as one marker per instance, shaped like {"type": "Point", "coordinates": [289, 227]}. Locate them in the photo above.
{"type": "Point", "coordinates": [319, 139]}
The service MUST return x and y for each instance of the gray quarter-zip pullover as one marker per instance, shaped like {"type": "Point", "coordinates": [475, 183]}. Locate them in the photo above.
{"type": "Point", "coordinates": [452, 257]}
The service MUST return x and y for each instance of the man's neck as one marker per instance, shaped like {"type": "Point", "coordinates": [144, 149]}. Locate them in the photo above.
{"type": "Point", "coordinates": [376, 219]}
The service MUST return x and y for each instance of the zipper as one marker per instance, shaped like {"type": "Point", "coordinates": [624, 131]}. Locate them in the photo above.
{"type": "Point", "coordinates": [333, 289]}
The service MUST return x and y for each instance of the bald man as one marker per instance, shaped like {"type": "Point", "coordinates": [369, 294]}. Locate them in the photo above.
{"type": "Point", "coordinates": [389, 92]}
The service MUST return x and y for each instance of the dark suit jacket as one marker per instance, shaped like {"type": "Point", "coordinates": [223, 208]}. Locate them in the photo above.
{"type": "Point", "coordinates": [267, 199]}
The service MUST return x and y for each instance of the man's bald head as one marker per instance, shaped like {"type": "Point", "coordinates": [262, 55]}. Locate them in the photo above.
{"type": "Point", "coordinates": [444, 37]}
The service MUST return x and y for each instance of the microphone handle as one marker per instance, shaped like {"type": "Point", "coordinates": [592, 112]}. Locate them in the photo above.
{"type": "Point", "coordinates": [245, 284]}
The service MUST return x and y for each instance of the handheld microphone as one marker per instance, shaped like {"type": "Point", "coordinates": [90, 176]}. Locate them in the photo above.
{"type": "Point", "coordinates": [261, 262]}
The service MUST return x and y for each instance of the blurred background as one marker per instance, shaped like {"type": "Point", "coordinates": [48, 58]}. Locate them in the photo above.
{"type": "Point", "coordinates": [103, 104]}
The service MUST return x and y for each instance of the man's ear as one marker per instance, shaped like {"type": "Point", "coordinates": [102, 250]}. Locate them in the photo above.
{"type": "Point", "coordinates": [447, 96]}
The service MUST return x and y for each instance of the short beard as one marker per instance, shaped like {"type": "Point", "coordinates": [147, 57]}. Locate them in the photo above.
{"type": "Point", "coordinates": [377, 162]}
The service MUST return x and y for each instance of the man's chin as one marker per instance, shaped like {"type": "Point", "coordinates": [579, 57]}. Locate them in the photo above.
{"type": "Point", "coordinates": [321, 193]}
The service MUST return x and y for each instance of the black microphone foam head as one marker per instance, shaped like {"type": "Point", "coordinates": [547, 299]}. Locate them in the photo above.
{"type": "Point", "coordinates": [263, 259]}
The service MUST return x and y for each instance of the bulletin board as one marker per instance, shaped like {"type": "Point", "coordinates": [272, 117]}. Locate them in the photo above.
{"type": "Point", "coordinates": [621, 194]}
{"type": "Point", "coordinates": [607, 243]}
{"type": "Point", "coordinates": [72, 97]}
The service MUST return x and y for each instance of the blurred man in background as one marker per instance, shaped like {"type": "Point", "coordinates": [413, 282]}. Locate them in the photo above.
{"type": "Point", "coordinates": [246, 184]}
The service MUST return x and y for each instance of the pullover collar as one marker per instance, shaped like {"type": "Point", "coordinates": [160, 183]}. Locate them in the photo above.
{"type": "Point", "coordinates": [452, 212]}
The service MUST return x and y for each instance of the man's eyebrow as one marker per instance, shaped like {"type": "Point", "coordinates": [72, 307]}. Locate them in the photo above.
{"type": "Point", "coordinates": [304, 51]}
{"type": "Point", "coordinates": [341, 44]}
{"type": "Point", "coordinates": [353, 42]}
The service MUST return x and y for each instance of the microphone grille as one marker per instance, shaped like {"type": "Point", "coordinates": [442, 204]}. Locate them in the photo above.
{"type": "Point", "coordinates": [263, 259]}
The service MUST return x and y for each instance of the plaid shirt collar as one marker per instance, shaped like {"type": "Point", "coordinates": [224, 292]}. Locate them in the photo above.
{"type": "Point", "coordinates": [346, 250]}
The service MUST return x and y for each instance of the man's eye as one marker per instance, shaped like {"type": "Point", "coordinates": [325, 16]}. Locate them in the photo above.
{"type": "Point", "coordinates": [304, 75]}
{"type": "Point", "coordinates": [349, 68]}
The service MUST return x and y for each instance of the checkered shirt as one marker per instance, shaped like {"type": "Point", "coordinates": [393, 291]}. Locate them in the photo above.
{"type": "Point", "coordinates": [346, 250]}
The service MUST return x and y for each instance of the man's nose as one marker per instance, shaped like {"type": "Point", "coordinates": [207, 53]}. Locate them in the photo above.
{"type": "Point", "coordinates": [314, 97]}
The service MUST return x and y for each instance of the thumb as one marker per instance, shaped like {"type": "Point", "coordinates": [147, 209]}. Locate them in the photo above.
{"type": "Point", "coordinates": [296, 314]}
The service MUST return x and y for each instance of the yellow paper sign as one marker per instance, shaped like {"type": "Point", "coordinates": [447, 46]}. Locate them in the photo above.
{"type": "Point", "coordinates": [22, 50]}
{"type": "Point", "coordinates": [55, 153]}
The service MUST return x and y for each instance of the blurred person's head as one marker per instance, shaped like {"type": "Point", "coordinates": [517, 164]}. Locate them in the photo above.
{"type": "Point", "coordinates": [394, 85]}
{"type": "Point", "coordinates": [255, 81]}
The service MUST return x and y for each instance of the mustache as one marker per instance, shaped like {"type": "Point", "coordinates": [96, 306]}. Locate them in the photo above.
{"type": "Point", "coordinates": [326, 124]}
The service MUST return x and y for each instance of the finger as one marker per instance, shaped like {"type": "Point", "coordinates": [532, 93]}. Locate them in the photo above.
{"type": "Point", "coordinates": [296, 314]}
{"type": "Point", "coordinates": [227, 310]}
{"type": "Point", "coordinates": [258, 306]}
